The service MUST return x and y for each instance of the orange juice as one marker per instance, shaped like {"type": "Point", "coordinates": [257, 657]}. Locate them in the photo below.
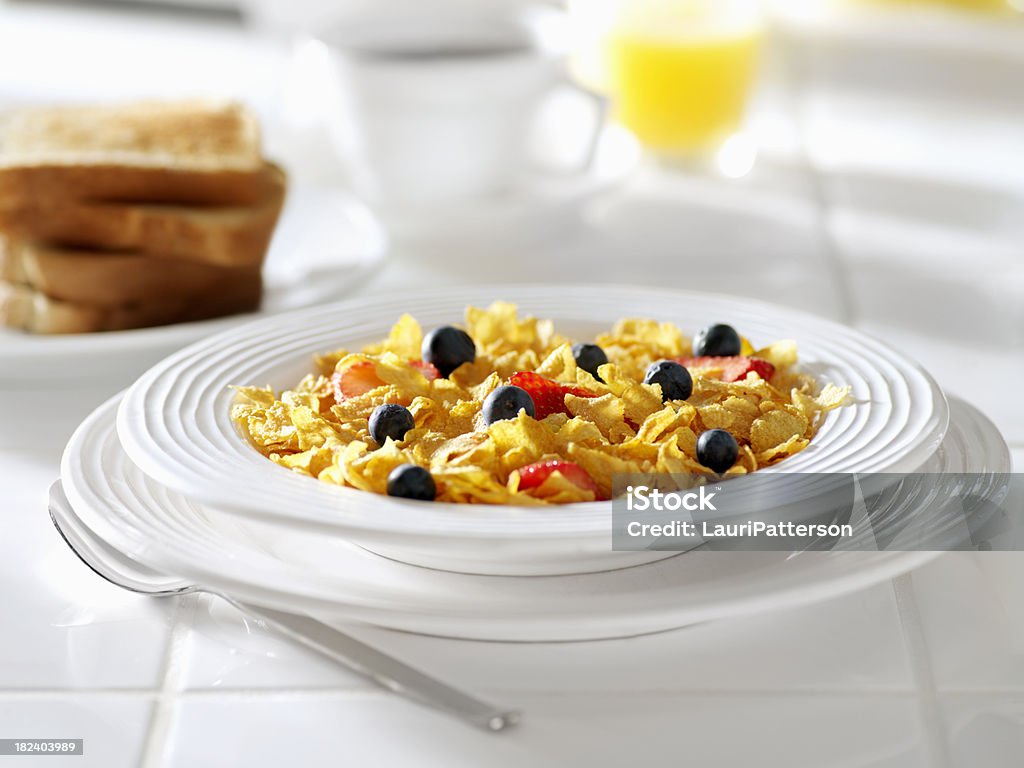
{"type": "Point", "coordinates": [679, 71]}
{"type": "Point", "coordinates": [681, 95]}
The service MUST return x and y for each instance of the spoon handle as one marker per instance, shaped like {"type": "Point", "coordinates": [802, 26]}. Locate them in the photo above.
{"type": "Point", "coordinates": [384, 670]}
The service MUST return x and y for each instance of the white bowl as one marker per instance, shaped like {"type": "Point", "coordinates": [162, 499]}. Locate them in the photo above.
{"type": "Point", "coordinates": [175, 424]}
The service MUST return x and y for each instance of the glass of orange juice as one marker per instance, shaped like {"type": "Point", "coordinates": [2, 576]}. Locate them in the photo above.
{"type": "Point", "coordinates": [679, 71]}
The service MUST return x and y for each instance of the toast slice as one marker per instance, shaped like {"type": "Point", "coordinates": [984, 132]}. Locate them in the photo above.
{"type": "Point", "coordinates": [29, 310]}
{"type": "Point", "coordinates": [192, 152]}
{"type": "Point", "coordinates": [113, 279]}
{"type": "Point", "coordinates": [227, 236]}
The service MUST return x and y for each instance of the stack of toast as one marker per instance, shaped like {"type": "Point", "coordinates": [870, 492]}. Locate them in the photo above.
{"type": "Point", "coordinates": [126, 216]}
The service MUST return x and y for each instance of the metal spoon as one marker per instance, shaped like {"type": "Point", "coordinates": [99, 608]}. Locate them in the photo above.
{"type": "Point", "coordinates": [122, 571]}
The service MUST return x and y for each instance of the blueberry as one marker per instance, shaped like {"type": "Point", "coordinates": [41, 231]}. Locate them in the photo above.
{"type": "Point", "coordinates": [446, 348]}
{"type": "Point", "coordinates": [717, 340]}
{"type": "Point", "coordinates": [390, 420]}
{"type": "Point", "coordinates": [589, 357]}
{"type": "Point", "coordinates": [506, 402]}
{"type": "Point", "coordinates": [675, 380]}
{"type": "Point", "coordinates": [717, 450]}
{"type": "Point", "coordinates": [411, 481]}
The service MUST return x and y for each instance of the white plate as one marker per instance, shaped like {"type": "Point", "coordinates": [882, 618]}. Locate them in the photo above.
{"type": "Point", "coordinates": [275, 565]}
{"type": "Point", "coordinates": [325, 246]}
{"type": "Point", "coordinates": [174, 422]}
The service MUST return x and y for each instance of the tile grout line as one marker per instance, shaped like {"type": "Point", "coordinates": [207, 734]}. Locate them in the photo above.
{"type": "Point", "coordinates": [930, 720]}
{"type": "Point", "coordinates": [22, 694]}
{"type": "Point", "coordinates": [312, 694]}
{"type": "Point", "coordinates": [830, 249]}
{"type": "Point", "coordinates": [270, 692]}
{"type": "Point", "coordinates": [160, 721]}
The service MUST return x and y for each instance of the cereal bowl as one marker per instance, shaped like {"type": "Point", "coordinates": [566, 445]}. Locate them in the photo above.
{"type": "Point", "coordinates": [175, 423]}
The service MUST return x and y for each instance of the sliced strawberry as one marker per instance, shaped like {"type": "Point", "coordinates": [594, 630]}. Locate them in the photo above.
{"type": "Point", "coordinates": [361, 377]}
{"type": "Point", "coordinates": [534, 475]}
{"type": "Point", "coordinates": [427, 369]}
{"type": "Point", "coordinates": [355, 380]}
{"type": "Point", "coordinates": [548, 396]}
{"type": "Point", "coordinates": [762, 368]}
{"type": "Point", "coordinates": [732, 368]}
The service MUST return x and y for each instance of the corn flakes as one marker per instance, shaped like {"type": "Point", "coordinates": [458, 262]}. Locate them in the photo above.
{"type": "Point", "coordinates": [587, 425]}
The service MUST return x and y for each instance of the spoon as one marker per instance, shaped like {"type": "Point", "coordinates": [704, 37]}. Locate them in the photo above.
{"type": "Point", "coordinates": [388, 672]}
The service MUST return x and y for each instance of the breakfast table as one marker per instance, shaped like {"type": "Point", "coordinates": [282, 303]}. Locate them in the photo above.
{"type": "Point", "coordinates": [885, 196]}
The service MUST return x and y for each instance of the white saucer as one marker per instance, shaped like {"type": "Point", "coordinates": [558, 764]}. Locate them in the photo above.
{"type": "Point", "coordinates": [326, 245]}
{"type": "Point", "coordinates": [541, 203]}
{"type": "Point", "coordinates": [321, 573]}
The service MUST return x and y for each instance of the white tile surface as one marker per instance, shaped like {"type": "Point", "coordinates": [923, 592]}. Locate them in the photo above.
{"type": "Point", "coordinates": [72, 630]}
{"type": "Point", "coordinates": [922, 206]}
{"type": "Point", "coordinates": [890, 46]}
{"type": "Point", "coordinates": [985, 730]}
{"type": "Point", "coordinates": [113, 728]}
{"type": "Point", "coordinates": [955, 365]}
{"type": "Point", "coordinates": [26, 437]}
{"type": "Point", "coordinates": [957, 213]}
{"type": "Point", "coordinates": [946, 281]}
{"type": "Point", "coordinates": [591, 730]}
{"type": "Point", "coordinates": [852, 125]}
{"type": "Point", "coordinates": [973, 620]}
{"type": "Point", "coordinates": [226, 650]}
{"type": "Point", "coordinates": [715, 235]}
{"type": "Point", "coordinates": [849, 643]}
{"type": "Point", "coordinates": [222, 60]}
{"type": "Point", "coordinates": [757, 237]}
